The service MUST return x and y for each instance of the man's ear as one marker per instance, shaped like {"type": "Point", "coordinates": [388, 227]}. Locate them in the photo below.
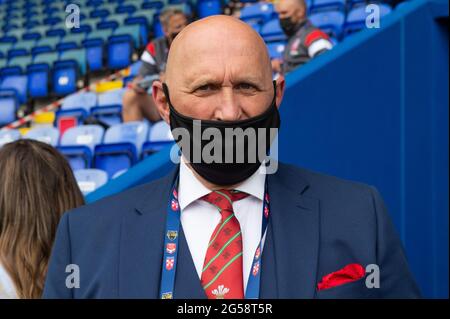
{"type": "Point", "coordinates": [280, 82]}
{"type": "Point", "coordinates": [160, 101]}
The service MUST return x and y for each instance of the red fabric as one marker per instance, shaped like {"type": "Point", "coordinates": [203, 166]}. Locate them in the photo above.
{"type": "Point", "coordinates": [222, 276]}
{"type": "Point", "coordinates": [66, 122]}
{"type": "Point", "coordinates": [349, 273]}
{"type": "Point", "coordinates": [151, 48]}
{"type": "Point", "coordinates": [315, 35]}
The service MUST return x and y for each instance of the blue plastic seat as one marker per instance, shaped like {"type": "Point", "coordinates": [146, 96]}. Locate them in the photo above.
{"type": "Point", "coordinates": [90, 179]}
{"type": "Point", "coordinates": [8, 136]}
{"type": "Point", "coordinates": [8, 106]}
{"type": "Point", "coordinates": [159, 137]}
{"type": "Point", "coordinates": [17, 83]}
{"type": "Point", "coordinates": [46, 134]}
{"type": "Point", "coordinates": [78, 156]}
{"type": "Point", "coordinates": [94, 53]}
{"type": "Point", "coordinates": [120, 48]}
{"type": "Point", "coordinates": [276, 49]}
{"type": "Point", "coordinates": [121, 147]}
{"type": "Point", "coordinates": [271, 31]}
{"type": "Point", "coordinates": [331, 22]}
{"type": "Point", "coordinates": [258, 12]}
{"type": "Point", "coordinates": [77, 105]}
{"type": "Point", "coordinates": [207, 8]}
{"type": "Point", "coordinates": [109, 107]}
{"type": "Point", "coordinates": [327, 5]}
{"type": "Point", "coordinates": [38, 77]}
{"type": "Point", "coordinates": [87, 135]}
{"type": "Point", "coordinates": [64, 79]}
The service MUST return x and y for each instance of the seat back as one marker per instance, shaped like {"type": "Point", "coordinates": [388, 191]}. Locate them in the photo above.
{"type": "Point", "coordinates": [130, 132]}
{"type": "Point", "coordinates": [46, 134]}
{"type": "Point", "coordinates": [88, 135]}
{"type": "Point", "coordinates": [90, 179]}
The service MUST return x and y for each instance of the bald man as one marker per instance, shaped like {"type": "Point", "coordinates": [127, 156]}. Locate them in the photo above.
{"type": "Point", "coordinates": [231, 228]}
{"type": "Point", "coordinates": [305, 41]}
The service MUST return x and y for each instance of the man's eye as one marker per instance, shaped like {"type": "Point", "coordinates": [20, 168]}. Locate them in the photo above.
{"type": "Point", "coordinates": [245, 86]}
{"type": "Point", "coordinates": [204, 88]}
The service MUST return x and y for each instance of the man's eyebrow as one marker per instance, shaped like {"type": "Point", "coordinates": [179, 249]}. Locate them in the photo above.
{"type": "Point", "coordinates": [198, 82]}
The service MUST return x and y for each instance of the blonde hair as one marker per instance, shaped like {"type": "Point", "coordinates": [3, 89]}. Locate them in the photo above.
{"type": "Point", "coordinates": [36, 187]}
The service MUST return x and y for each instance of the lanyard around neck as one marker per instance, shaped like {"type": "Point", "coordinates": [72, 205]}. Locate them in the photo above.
{"type": "Point", "coordinates": [170, 249]}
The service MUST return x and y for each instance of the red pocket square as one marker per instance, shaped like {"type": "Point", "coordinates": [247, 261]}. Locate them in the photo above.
{"type": "Point", "coordinates": [349, 273]}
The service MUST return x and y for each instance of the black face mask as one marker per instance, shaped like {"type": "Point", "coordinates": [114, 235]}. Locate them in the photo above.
{"type": "Point", "coordinates": [288, 27]}
{"type": "Point", "coordinates": [226, 172]}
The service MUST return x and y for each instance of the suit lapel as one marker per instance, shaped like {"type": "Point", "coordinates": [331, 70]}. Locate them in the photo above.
{"type": "Point", "coordinates": [294, 238]}
{"type": "Point", "coordinates": [142, 241]}
{"type": "Point", "coordinates": [141, 250]}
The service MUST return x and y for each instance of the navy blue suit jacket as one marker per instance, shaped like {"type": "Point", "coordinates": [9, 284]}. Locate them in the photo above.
{"type": "Point", "coordinates": [319, 224]}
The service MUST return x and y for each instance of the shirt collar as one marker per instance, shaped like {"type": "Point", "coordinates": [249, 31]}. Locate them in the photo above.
{"type": "Point", "coordinates": [190, 188]}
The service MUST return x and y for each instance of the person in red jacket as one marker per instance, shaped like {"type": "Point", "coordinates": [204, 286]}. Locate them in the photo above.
{"type": "Point", "coordinates": [305, 41]}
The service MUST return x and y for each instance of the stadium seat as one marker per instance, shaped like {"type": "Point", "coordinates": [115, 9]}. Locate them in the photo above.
{"type": "Point", "coordinates": [20, 61]}
{"type": "Point", "coordinates": [120, 48]}
{"type": "Point", "coordinates": [38, 77]}
{"type": "Point", "coordinates": [77, 105]}
{"type": "Point", "coordinates": [258, 12]}
{"type": "Point", "coordinates": [276, 49]}
{"type": "Point", "coordinates": [65, 75]}
{"type": "Point", "coordinates": [207, 8]}
{"type": "Point", "coordinates": [46, 134]}
{"type": "Point", "coordinates": [356, 18]}
{"type": "Point", "coordinates": [327, 5]}
{"type": "Point", "coordinates": [77, 55]}
{"type": "Point", "coordinates": [47, 42]}
{"type": "Point", "coordinates": [132, 30]}
{"type": "Point", "coordinates": [160, 136]}
{"type": "Point", "coordinates": [94, 53]}
{"type": "Point", "coordinates": [109, 107]}
{"type": "Point", "coordinates": [78, 156]}
{"type": "Point", "coordinates": [143, 22]}
{"type": "Point", "coordinates": [271, 31]}
{"type": "Point", "coordinates": [330, 22]}
{"type": "Point", "coordinates": [8, 136]}
{"type": "Point", "coordinates": [8, 106]}
{"type": "Point", "coordinates": [90, 179]}
{"type": "Point", "coordinates": [17, 83]}
{"type": "Point", "coordinates": [121, 147]}
{"type": "Point", "coordinates": [87, 135]}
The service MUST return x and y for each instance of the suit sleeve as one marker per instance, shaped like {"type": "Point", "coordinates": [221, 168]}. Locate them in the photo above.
{"type": "Point", "coordinates": [55, 284]}
{"type": "Point", "coordinates": [396, 280]}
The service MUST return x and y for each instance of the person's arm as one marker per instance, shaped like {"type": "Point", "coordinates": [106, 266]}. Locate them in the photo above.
{"type": "Point", "coordinates": [396, 280]}
{"type": "Point", "coordinates": [55, 284]}
{"type": "Point", "coordinates": [317, 42]}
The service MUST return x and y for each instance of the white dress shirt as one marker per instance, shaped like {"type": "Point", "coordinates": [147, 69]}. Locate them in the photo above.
{"type": "Point", "coordinates": [199, 218]}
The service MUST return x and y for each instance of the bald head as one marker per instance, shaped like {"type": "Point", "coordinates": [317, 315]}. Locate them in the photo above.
{"type": "Point", "coordinates": [218, 68]}
{"type": "Point", "coordinates": [216, 38]}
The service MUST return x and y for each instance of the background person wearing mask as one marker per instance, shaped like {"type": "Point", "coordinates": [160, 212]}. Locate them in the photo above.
{"type": "Point", "coordinates": [36, 187]}
{"type": "Point", "coordinates": [304, 40]}
{"type": "Point", "coordinates": [137, 102]}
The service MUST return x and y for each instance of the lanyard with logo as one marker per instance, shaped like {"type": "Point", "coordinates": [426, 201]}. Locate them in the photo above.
{"type": "Point", "coordinates": [170, 253]}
